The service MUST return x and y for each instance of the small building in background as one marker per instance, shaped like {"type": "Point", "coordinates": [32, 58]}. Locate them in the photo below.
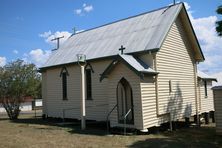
{"type": "Point", "coordinates": [205, 93]}
{"type": "Point", "coordinates": [217, 91]}
{"type": "Point", "coordinates": [26, 105]}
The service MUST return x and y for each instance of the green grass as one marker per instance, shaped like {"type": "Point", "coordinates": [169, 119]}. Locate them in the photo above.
{"type": "Point", "coordinates": [30, 132]}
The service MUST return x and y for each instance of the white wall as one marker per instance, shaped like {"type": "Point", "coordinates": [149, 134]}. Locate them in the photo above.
{"type": "Point", "coordinates": [53, 103]}
{"type": "Point", "coordinates": [27, 106]}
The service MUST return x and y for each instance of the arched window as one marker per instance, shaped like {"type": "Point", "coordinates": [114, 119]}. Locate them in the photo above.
{"type": "Point", "coordinates": [89, 70]}
{"type": "Point", "coordinates": [64, 73]}
{"type": "Point", "coordinates": [125, 101]}
{"type": "Point", "coordinates": [88, 84]}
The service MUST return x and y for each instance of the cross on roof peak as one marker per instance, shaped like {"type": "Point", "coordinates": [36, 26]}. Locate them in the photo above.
{"type": "Point", "coordinates": [121, 49]}
{"type": "Point", "coordinates": [74, 30]}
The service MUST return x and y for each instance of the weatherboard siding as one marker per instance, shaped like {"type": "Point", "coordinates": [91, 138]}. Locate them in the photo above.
{"type": "Point", "coordinates": [148, 97]}
{"type": "Point", "coordinates": [44, 92]}
{"type": "Point", "coordinates": [96, 109]}
{"type": "Point", "coordinates": [175, 63]}
{"type": "Point", "coordinates": [218, 109]}
{"type": "Point", "coordinates": [206, 102]}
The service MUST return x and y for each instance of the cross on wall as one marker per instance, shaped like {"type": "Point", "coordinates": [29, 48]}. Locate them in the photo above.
{"type": "Point", "coordinates": [121, 49]}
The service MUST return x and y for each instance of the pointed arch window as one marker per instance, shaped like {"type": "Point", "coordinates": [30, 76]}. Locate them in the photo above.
{"type": "Point", "coordinates": [89, 70]}
{"type": "Point", "coordinates": [63, 74]}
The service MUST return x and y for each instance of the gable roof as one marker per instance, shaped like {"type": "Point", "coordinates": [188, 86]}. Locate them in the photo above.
{"type": "Point", "coordinates": [144, 32]}
{"type": "Point", "coordinates": [136, 65]}
{"type": "Point", "coordinates": [204, 76]}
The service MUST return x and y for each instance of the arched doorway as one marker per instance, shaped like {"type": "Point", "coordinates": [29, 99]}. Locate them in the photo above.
{"type": "Point", "coordinates": [125, 101]}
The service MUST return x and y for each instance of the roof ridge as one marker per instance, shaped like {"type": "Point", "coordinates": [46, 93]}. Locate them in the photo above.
{"type": "Point", "coordinates": [106, 24]}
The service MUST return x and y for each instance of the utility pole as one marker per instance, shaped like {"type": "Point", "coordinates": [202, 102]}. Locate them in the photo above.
{"type": "Point", "coordinates": [83, 106]}
{"type": "Point", "coordinates": [174, 2]}
{"type": "Point", "coordinates": [57, 38]}
{"type": "Point", "coordinates": [82, 63]}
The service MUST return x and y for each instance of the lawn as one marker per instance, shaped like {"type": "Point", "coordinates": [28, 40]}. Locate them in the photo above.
{"type": "Point", "coordinates": [30, 132]}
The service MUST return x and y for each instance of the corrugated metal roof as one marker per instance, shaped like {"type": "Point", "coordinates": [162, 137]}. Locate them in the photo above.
{"type": "Point", "coordinates": [203, 75]}
{"type": "Point", "coordinates": [139, 33]}
{"type": "Point", "coordinates": [140, 66]}
{"type": "Point", "coordinates": [217, 87]}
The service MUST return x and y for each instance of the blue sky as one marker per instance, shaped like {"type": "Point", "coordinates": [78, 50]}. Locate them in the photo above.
{"type": "Point", "coordinates": [27, 26]}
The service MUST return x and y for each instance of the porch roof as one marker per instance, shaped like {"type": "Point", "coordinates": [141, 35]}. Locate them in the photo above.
{"type": "Point", "coordinates": [135, 64]}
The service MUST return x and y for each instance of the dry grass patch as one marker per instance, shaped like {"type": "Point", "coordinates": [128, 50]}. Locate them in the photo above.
{"type": "Point", "coordinates": [30, 132]}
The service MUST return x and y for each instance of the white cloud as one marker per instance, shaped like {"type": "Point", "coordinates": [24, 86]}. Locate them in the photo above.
{"type": "Point", "coordinates": [211, 63]}
{"type": "Point", "coordinates": [15, 51]}
{"type": "Point", "coordinates": [37, 56]}
{"type": "Point", "coordinates": [48, 36]}
{"type": "Point", "coordinates": [78, 11]}
{"type": "Point", "coordinates": [45, 34]}
{"type": "Point", "coordinates": [210, 43]}
{"type": "Point", "coordinates": [2, 61]}
{"type": "Point", "coordinates": [187, 6]}
{"type": "Point", "coordinates": [219, 79]}
{"type": "Point", "coordinates": [85, 8]}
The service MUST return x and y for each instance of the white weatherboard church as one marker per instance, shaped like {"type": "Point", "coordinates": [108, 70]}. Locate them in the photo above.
{"type": "Point", "coordinates": [145, 65]}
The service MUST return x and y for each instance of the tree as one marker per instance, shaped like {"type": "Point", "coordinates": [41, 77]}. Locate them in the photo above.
{"type": "Point", "coordinates": [219, 23]}
{"type": "Point", "coordinates": [18, 81]}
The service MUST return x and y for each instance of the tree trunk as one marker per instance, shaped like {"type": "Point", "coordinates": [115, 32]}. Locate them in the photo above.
{"type": "Point", "coordinates": [12, 109]}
